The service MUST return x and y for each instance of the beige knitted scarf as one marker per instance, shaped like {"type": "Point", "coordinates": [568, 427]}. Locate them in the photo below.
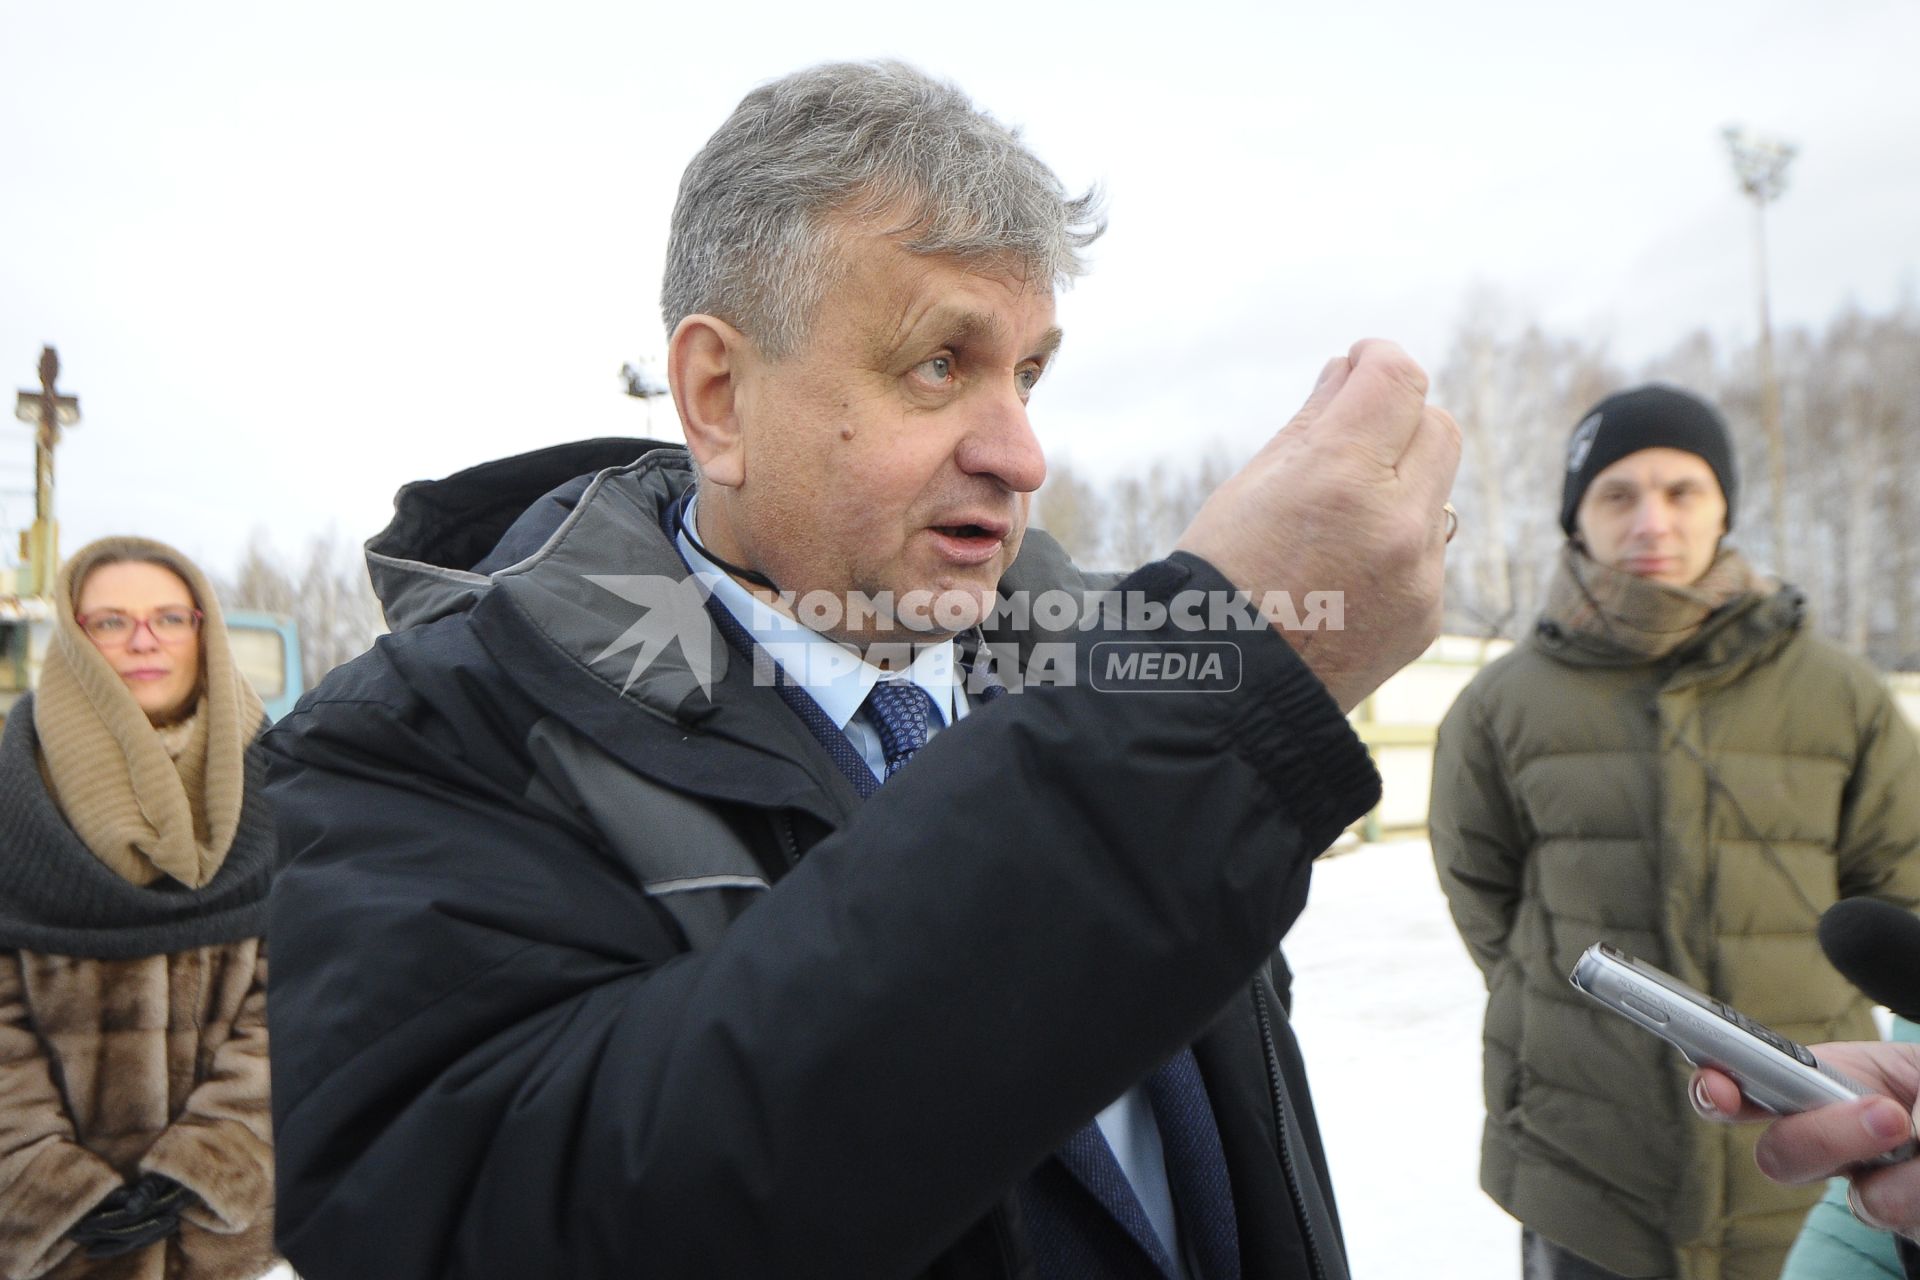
{"type": "Point", "coordinates": [145, 810]}
{"type": "Point", "coordinates": [1641, 616]}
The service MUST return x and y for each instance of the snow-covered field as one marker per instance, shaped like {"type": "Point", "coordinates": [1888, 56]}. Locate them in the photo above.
{"type": "Point", "coordinates": [1387, 1007]}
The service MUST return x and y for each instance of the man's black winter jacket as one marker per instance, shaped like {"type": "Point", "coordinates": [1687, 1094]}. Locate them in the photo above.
{"type": "Point", "coordinates": [582, 971]}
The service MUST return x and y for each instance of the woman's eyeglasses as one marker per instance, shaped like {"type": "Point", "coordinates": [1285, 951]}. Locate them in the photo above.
{"type": "Point", "coordinates": [112, 629]}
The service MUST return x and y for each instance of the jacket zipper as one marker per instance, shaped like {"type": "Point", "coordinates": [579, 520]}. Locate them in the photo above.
{"type": "Point", "coordinates": [1277, 1086]}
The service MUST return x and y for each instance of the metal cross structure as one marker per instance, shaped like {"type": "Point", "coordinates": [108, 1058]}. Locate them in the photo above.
{"type": "Point", "coordinates": [47, 411]}
{"type": "Point", "coordinates": [1760, 166]}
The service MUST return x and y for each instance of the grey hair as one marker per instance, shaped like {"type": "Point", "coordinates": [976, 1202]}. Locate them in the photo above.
{"type": "Point", "coordinates": [755, 229]}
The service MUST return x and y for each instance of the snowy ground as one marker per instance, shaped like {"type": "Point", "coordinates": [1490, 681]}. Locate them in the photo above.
{"type": "Point", "coordinates": [1387, 1007]}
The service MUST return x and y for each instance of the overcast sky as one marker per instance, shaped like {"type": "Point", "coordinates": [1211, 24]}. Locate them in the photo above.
{"type": "Point", "coordinates": [294, 256]}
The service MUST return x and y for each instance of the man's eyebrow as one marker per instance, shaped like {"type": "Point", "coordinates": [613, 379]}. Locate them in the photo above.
{"type": "Point", "coordinates": [960, 328]}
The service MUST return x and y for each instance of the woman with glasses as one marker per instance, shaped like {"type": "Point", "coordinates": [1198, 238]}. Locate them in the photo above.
{"type": "Point", "coordinates": [135, 857]}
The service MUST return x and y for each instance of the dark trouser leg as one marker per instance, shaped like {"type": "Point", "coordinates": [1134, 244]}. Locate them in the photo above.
{"type": "Point", "coordinates": [1542, 1259]}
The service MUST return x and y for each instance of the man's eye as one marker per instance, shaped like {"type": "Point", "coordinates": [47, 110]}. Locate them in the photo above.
{"type": "Point", "coordinates": [938, 369]}
{"type": "Point", "coordinates": [1026, 377]}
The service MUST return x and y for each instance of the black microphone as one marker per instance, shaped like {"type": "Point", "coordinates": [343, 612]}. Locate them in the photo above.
{"type": "Point", "coordinates": [1876, 946]}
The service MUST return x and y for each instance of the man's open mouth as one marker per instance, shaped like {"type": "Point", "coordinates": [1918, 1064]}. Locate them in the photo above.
{"type": "Point", "coordinates": [969, 542]}
{"type": "Point", "coordinates": [967, 531]}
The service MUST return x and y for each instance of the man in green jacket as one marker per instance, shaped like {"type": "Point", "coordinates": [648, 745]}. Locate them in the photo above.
{"type": "Point", "coordinates": [1673, 763]}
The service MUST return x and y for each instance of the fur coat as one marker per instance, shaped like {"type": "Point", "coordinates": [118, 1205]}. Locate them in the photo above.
{"type": "Point", "coordinates": [113, 1068]}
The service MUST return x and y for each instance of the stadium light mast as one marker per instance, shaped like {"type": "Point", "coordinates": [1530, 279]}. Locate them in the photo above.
{"type": "Point", "coordinates": [1760, 167]}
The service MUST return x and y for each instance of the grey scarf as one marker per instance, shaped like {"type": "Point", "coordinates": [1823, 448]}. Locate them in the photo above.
{"type": "Point", "coordinates": [57, 897]}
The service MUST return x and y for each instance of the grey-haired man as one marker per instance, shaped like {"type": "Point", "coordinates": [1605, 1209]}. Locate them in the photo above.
{"type": "Point", "coordinates": [605, 952]}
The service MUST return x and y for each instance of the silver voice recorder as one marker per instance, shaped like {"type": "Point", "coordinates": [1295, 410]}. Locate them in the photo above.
{"type": "Point", "coordinates": [1770, 1069]}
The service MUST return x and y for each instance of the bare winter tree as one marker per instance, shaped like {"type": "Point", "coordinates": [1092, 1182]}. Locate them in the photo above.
{"type": "Point", "coordinates": [1072, 509]}
{"type": "Point", "coordinates": [1515, 390]}
{"type": "Point", "coordinates": [339, 614]}
{"type": "Point", "coordinates": [330, 598]}
{"type": "Point", "coordinates": [1850, 410]}
{"type": "Point", "coordinates": [1896, 346]}
{"type": "Point", "coordinates": [260, 581]}
{"type": "Point", "coordinates": [1136, 517]}
{"type": "Point", "coordinates": [1125, 522]}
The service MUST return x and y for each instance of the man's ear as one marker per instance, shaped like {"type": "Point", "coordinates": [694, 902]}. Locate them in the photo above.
{"type": "Point", "coordinates": [706, 357]}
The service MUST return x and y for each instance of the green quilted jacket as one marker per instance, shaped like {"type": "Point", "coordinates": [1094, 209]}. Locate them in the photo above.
{"type": "Point", "coordinates": [1699, 812]}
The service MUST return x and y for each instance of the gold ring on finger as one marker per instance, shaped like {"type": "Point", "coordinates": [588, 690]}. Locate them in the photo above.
{"type": "Point", "coordinates": [1860, 1210]}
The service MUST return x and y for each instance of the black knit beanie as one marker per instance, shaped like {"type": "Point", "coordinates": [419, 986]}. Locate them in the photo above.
{"type": "Point", "coordinates": [1650, 417]}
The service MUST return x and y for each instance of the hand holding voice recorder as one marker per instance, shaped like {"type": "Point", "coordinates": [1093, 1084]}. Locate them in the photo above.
{"type": "Point", "coordinates": [1771, 1070]}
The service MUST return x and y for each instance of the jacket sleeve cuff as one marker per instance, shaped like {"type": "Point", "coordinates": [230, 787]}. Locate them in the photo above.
{"type": "Point", "coordinates": [223, 1164]}
{"type": "Point", "coordinates": [1288, 727]}
{"type": "Point", "coordinates": [56, 1188]}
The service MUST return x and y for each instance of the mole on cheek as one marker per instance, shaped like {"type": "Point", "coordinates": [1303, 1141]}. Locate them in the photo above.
{"type": "Point", "coordinates": [846, 433]}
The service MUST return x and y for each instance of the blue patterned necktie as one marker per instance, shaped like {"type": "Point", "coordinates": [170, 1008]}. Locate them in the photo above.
{"type": "Point", "coordinates": [903, 715]}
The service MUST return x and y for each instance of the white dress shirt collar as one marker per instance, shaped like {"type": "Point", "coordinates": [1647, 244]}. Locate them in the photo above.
{"type": "Point", "coordinates": [833, 675]}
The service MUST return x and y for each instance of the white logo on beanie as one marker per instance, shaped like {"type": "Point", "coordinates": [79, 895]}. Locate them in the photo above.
{"type": "Point", "coordinates": [1582, 443]}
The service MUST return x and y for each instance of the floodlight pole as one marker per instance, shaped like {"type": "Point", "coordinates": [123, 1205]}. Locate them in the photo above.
{"type": "Point", "coordinates": [46, 411]}
{"type": "Point", "coordinates": [1760, 167]}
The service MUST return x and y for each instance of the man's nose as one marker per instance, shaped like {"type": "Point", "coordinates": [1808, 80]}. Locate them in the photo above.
{"type": "Point", "coordinates": [1652, 517]}
{"type": "Point", "coordinates": [1000, 443]}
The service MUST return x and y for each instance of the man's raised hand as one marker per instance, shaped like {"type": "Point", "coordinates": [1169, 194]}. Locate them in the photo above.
{"type": "Point", "coordinates": [1347, 498]}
